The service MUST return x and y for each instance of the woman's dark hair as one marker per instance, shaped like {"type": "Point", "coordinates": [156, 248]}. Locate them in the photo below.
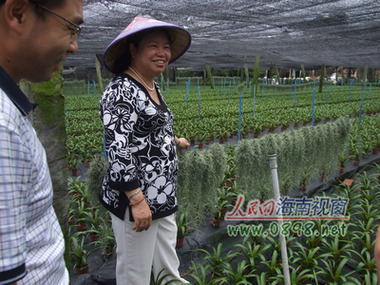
{"type": "Point", "coordinates": [136, 38]}
{"type": "Point", "coordinates": [124, 61]}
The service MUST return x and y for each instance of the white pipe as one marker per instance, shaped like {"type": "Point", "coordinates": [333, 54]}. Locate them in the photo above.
{"type": "Point", "coordinates": [276, 187]}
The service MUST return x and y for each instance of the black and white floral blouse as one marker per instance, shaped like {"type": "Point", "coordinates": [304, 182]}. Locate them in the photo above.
{"type": "Point", "coordinates": [140, 146]}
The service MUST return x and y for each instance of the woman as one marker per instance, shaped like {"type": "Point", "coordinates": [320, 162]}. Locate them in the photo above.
{"type": "Point", "coordinates": [139, 188]}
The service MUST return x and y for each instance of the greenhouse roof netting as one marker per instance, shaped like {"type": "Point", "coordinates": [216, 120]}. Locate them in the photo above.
{"type": "Point", "coordinates": [229, 33]}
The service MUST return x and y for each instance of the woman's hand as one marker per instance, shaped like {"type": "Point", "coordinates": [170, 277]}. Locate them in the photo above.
{"type": "Point", "coordinates": [182, 143]}
{"type": "Point", "coordinates": [142, 216]}
{"type": "Point", "coordinates": [140, 210]}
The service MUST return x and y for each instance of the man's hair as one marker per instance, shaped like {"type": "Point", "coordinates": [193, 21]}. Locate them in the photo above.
{"type": "Point", "coordinates": [48, 3]}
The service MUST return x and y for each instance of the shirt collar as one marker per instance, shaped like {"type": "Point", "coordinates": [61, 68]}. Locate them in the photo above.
{"type": "Point", "coordinates": [14, 93]}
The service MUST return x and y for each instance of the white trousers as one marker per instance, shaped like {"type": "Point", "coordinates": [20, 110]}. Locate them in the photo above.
{"type": "Point", "coordinates": [138, 252]}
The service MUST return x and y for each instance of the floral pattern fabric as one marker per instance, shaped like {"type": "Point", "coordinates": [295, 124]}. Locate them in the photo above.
{"type": "Point", "coordinates": [140, 146]}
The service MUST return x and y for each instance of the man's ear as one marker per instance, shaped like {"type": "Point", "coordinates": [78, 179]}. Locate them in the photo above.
{"type": "Point", "coordinates": [15, 13]}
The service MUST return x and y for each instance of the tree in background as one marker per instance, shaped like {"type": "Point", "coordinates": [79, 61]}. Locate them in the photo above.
{"type": "Point", "coordinates": [256, 71]}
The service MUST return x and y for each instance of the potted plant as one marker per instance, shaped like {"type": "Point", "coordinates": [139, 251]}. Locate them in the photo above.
{"type": "Point", "coordinates": [79, 254]}
{"type": "Point", "coordinates": [216, 260]}
{"type": "Point", "coordinates": [199, 274]}
{"type": "Point", "coordinates": [94, 219]}
{"type": "Point", "coordinates": [73, 165]}
{"type": "Point", "coordinates": [201, 138]}
{"type": "Point", "coordinates": [79, 212]}
{"type": "Point", "coordinates": [77, 189]}
{"type": "Point", "coordinates": [343, 158]}
{"type": "Point", "coordinates": [224, 197]}
{"type": "Point", "coordinates": [285, 184]}
{"type": "Point", "coordinates": [221, 207]}
{"type": "Point", "coordinates": [216, 219]}
{"type": "Point", "coordinates": [181, 229]}
{"type": "Point", "coordinates": [238, 275]}
{"type": "Point", "coordinates": [354, 151]}
{"type": "Point", "coordinates": [94, 182]}
{"type": "Point", "coordinates": [106, 242]}
{"type": "Point", "coordinates": [305, 178]}
{"type": "Point", "coordinates": [252, 252]}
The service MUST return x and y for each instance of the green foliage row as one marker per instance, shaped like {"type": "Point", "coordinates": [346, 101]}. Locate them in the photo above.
{"type": "Point", "coordinates": [199, 176]}
{"type": "Point", "coordinates": [308, 149]}
{"type": "Point", "coordinates": [344, 257]}
{"type": "Point", "coordinates": [201, 171]}
{"type": "Point", "coordinates": [219, 111]}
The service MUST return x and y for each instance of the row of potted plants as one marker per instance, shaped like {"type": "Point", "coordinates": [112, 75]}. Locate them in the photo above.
{"type": "Point", "coordinates": [90, 227]}
{"type": "Point", "coordinates": [368, 127]}
{"type": "Point", "coordinates": [197, 164]}
{"type": "Point", "coordinates": [275, 109]}
{"type": "Point", "coordinates": [324, 151]}
{"type": "Point", "coordinates": [345, 258]}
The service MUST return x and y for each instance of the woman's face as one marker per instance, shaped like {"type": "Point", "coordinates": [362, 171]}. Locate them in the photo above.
{"type": "Point", "coordinates": [152, 55]}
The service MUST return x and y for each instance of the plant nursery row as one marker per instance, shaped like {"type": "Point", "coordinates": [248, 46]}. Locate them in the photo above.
{"type": "Point", "coordinates": [203, 114]}
{"type": "Point", "coordinates": [324, 132]}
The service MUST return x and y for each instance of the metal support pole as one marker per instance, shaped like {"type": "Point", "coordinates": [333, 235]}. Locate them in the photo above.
{"type": "Point", "coordinates": [276, 187]}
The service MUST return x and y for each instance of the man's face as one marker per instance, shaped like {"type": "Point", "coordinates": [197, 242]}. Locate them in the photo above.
{"type": "Point", "coordinates": [50, 40]}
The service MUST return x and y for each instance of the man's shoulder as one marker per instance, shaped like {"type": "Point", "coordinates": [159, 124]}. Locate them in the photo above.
{"type": "Point", "coordinates": [10, 116]}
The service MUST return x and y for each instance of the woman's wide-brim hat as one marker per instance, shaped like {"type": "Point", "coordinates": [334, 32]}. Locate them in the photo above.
{"type": "Point", "coordinates": [117, 49]}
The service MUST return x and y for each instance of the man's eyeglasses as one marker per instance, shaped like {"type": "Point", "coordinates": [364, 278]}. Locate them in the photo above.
{"type": "Point", "coordinates": [74, 32]}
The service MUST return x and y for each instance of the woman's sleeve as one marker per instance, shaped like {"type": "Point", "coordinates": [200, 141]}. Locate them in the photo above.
{"type": "Point", "coordinates": [119, 111]}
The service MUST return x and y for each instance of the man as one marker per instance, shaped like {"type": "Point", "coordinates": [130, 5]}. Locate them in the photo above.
{"type": "Point", "coordinates": [35, 37]}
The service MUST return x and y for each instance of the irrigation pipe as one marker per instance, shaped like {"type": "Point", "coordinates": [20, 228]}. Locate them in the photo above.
{"type": "Point", "coordinates": [276, 187]}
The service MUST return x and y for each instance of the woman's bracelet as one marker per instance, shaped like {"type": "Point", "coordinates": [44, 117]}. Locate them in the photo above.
{"type": "Point", "coordinates": [134, 194]}
{"type": "Point", "coordinates": [139, 201]}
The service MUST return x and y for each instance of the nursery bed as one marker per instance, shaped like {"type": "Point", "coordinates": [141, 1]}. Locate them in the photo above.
{"type": "Point", "coordinates": [103, 271]}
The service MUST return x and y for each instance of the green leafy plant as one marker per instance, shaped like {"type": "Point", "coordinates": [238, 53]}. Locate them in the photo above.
{"type": "Point", "coordinates": [297, 276]}
{"type": "Point", "coordinates": [94, 180]}
{"type": "Point", "coordinates": [79, 253]}
{"type": "Point", "coordinates": [161, 279]}
{"type": "Point", "coordinates": [333, 272]}
{"type": "Point", "coordinates": [199, 274]}
{"type": "Point", "coordinates": [252, 252]}
{"type": "Point", "coordinates": [79, 212]}
{"type": "Point", "coordinates": [73, 165]}
{"type": "Point", "coordinates": [181, 225]}
{"type": "Point", "coordinates": [216, 260]}
{"type": "Point", "coordinates": [306, 257]}
{"type": "Point", "coordinates": [273, 266]}
{"type": "Point", "coordinates": [106, 242]}
{"type": "Point", "coordinates": [77, 189]}
{"type": "Point", "coordinates": [305, 177]}
{"type": "Point", "coordinates": [94, 220]}
{"type": "Point", "coordinates": [236, 275]}
{"type": "Point", "coordinates": [336, 248]}
{"type": "Point", "coordinates": [367, 264]}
